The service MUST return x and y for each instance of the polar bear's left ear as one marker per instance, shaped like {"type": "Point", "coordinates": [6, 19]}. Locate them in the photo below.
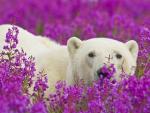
{"type": "Point", "coordinates": [73, 44]}
{"type": "Point", "coordinates": [133, 48]}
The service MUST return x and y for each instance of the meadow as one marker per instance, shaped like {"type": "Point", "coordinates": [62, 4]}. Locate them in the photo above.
{"type": "Point", "coordinates": [59, 20]}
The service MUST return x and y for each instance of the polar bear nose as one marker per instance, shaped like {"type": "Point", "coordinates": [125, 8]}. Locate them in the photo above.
{"type": "Point", "coordinates": [101, 74]}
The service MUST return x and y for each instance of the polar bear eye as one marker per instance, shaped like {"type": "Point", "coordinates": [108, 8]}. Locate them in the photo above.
{"type": "Point", "coordinates": [118, 56]}
{"type": "Point", "coordinates": [91, 54]}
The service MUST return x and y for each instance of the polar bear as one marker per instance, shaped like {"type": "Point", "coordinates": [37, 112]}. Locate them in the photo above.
{"type": "Point", "coordinates": [78, 59]}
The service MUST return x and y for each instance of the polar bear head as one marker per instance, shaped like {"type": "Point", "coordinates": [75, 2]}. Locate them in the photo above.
{"type": "Point", "coordinates": [87, 57]}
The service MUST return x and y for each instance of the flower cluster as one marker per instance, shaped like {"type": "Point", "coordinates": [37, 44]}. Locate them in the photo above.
{"type": "Point", "coordinates": [128, 96]}
{"type": "Point", "coordinates": [16, 76]}
{"type": "Point", "coordinates": [21, 91]}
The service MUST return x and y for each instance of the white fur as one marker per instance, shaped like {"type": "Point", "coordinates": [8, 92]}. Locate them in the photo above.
{"type": "Point", "coordinates": [72, 62]}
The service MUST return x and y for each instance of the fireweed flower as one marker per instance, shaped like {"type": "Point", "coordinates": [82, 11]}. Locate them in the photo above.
{"type": "Point", "coordinates": [118, 19]}
{"type": "Point", "coordinates": [16, 77]}
{"type": "Point", "coordinates": [40, 87]}
{"type": "Point", "coordinates": [39, 107]}
{"type": "Point", "coordinates": [13, 76]}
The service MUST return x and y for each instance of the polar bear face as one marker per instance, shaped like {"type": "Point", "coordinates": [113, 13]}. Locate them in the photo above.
{"type": "Point", "coordinates": [88, 57]}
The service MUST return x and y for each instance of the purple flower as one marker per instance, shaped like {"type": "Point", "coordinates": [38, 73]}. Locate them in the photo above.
{"type": "Point", "coordinates": [39, 107]}
{"type": "Point", "coordinates": [118, 19]}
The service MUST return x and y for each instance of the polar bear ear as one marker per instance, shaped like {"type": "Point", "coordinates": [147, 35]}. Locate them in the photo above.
{"type": "Point", "coordinates": [133, 48]}
{"type": "Point", "coordinates": [73, 44]}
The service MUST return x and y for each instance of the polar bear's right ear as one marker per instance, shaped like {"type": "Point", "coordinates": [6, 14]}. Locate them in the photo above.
{"type": "Point", "coordinates": [133, 48]}
{"type": "Point", "coordinates": [73, 44]}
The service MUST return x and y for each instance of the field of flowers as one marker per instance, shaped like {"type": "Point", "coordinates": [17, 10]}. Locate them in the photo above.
{"type": "Point", "coordinates": [60, 19]}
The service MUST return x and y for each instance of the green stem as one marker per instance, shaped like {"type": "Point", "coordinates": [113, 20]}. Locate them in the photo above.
{"type": "Point", "coordinates": [148, 59]}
